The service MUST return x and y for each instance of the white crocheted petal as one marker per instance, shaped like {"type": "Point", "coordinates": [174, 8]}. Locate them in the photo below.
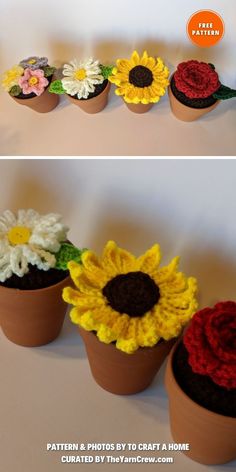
{"type": "Point", "coordinates": [42, 259]}
{"type": "Point", "coordinates": [27, 218]}
{"type": "Point", "coordinates": [45, 241]}
{"type": "Point", "coordinates": [8, 219]}
{"type": "Point", "coordinates": [18, 261]}
{"type": "Point", "coordinates": [5, 266]}
{"type": "Point", "coordinates": [5, 269]}
{"type": "Point", "coordinates": [49, 232]}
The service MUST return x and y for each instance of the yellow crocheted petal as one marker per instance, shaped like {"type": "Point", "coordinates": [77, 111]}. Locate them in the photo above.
{"type": "Point", "coordinates": [159, 67]}
{"type": "Point", "coordinates": [166, 273]}
{"type": "Point", "coordinates": [178, 284]}
{"type": "Point", "coordinates": [158, 89]}
{"type": "Point", "coordinates": [144, 59]}
{"type": "Point", "coordinates": [148, 335]}
{"type": "Point", "coordinates": [105, 334]}
{"type": "Point", "coordinates": [150, 261]}
{"type": "Point", "coordinates": [123, 65]}
{"type": "Point", "coordinates": [93, 270]}
{"type": "Point", "coordinates": [11, 77]}
{"type": "Point", "coordinates": [135, 59]}
{"type": "Point", "coordinates": [113, 79]}
{"type": "Point", "coordinates": [88, 321]}
{"type": "Point", "coordinates": [75, 271]}
{"type": "Point", "coordinates": [151, 63]}
{"type": "Point", "coordinates": [72, 296]}
{"type": "Point", "coordinates": [117, 261]}
{"type": "Point", "coordinates": [76, 313]}
{"type": "Point", "coordinates": [120, 325]}
{"type": "Point", "coordinates": [129, 346]}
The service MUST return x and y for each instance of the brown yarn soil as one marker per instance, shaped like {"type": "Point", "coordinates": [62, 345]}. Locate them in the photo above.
{"type": "Point", "coordinates": [191, 102]}
{"type": "Point", "coordinates": [98, 89]}
{"type": "Point", "coordinates": [32, 95]}
{"type": "Point", "coordinates": [201, 388]}
{"type": "Point", "coordinates": [36, 279]}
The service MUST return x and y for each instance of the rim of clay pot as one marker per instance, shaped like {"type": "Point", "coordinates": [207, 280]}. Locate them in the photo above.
{"type": "Point", "coordinates": [172, 379]}
{"type": "Point", "coordinates": [76, 100]}
{"type": "Point", "coordinates": [2, 287]}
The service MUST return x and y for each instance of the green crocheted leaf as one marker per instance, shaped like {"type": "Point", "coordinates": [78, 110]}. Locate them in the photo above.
{"type": "Point", "coordinates": [224, 93]}
{"type": "Point", "coordinates": [15, 91]}
{"type": "Point", "coordinates": [106, 71]}
{"type": "Point", "coordinates": [48, 71]}
{"type": "Point", "coordinates": [68, 253]}
{"type": "Point", "coordinates": [56, 87]}
{"type": "Point", "coordinates": [212, 65]}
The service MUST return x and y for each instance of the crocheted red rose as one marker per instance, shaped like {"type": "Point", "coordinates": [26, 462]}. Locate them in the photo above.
{"type": "Point", "coordinates": [211, 343]}
{"type": "Point", "coordinates": [196, 79]}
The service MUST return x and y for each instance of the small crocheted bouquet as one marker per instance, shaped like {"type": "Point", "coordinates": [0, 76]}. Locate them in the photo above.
{"type": "Point", "coordinates": [140, 80]}
{"type": "Point", "coordinates": [197, 85]}
{"type": "Point", "coordinates": [209, 354]}
{"type": "Point", "coordinates": [129, 300]}
{"type": "Point", "coordinates": [34, 250]}
{"type": "Point", "coordinates": [29, 78]}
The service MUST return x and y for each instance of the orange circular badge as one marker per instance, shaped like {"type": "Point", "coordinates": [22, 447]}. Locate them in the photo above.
{"type": "Point", "coordinates": [205, 28]}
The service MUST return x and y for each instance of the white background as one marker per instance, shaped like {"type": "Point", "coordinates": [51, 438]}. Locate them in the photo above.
{"type": "Point", "coordinates": [108, 30]}
{"type": "Point", "coordinates": [48, 393]}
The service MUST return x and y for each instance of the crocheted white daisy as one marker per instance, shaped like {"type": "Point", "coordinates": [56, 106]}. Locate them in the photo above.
{"type": "Point", "coordinates": [81, 77]}
{"type": "Point", "coordinates": [29, 238]}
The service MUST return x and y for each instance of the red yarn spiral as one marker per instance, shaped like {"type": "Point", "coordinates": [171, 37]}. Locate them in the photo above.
{"type": "Point", "coordinates": [196, 79]}
{"type": "Point", "coordinates": [211, 343]}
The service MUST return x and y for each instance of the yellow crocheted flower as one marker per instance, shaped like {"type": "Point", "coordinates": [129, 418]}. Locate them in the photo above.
{"type": "Point", "coordinates": [130, 300]}
{"type": "Point", "coordinates": [140, 79]}
{"type": "Point", "coordinates": [11, 77]}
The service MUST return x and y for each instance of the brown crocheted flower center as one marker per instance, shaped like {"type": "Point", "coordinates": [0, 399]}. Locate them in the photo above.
{"type": "Point", "coordinates": [134, 293]}
{"type": "Point", "coordinates": [140, 76]}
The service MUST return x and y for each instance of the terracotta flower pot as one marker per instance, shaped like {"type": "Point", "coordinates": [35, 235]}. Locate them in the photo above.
{"type": "Point", "coordinates": [211, 436]}
{"type": "Point", "coordinates": [121, 373]}
{"type": "Point", "coordinates": [42, 104]}
{"type": "Point", "coordinates": [32, 317]}
{"type": "Point", "coordinates": [92, 105]}
{"type": "Point", "coordinates": [139, 108]}
{"type": "Point", "coordinates": [186, 113]}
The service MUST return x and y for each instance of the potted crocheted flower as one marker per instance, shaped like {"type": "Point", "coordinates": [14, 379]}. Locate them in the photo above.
{"type": "Point", "coordinates": [27, 83]}
{"type": "Point", "coordinates": [85, 83]}
{"type": "Point", "coordinates": [34, 252]}
{"type": "Point", "coordinates": [140, 80]}
{"type": "Point", "coordinates": [129, 312]}
{"type": "Point", "coordinates": [201, 384]}
{"type": "Point", "coordinates": [195, 90]}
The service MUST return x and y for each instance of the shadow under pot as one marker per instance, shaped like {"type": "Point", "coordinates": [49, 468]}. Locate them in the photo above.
{"type": "Point", "coordinates": [32, 317]}
{"type": "Point", "coordinates": [42, 104]}
{"type": "Point", "coordinates": [210, 434]}
{"type": "Point", "coordinates": [121, 373]}
{"type": "Point", "coordinates": [97, 100]}
{"type": "Point", "coordinates": [189, 109]}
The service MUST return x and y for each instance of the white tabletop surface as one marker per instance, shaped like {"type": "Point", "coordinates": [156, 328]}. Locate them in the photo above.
{"type": "Point", "coordinates": [115, 131]}
{"type": "Point", "coordinates": [49, 396]}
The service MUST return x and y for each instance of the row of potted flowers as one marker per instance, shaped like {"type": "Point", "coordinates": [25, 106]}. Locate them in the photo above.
{"type": "Point", "coordinates": [194, 88]}
{"type": "Point", "coordinates": [130, 313]}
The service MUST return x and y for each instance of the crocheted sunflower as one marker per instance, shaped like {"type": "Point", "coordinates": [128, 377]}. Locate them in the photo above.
{"type": "Point", "coordinates": [140, 79]}
{"type": "Point", "coordinates": [128, 300]}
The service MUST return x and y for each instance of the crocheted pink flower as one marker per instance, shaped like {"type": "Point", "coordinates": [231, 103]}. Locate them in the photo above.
{"type": "Point", "coordinates": [33, 81]}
